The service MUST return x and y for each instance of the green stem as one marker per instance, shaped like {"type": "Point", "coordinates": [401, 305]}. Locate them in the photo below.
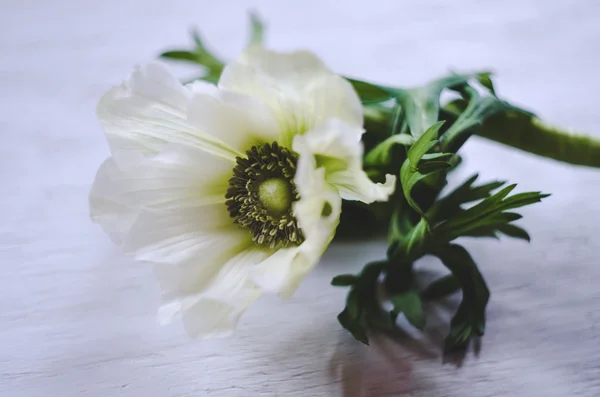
{"type": "Point", "coordinates": [521, 131]}
{"type": "Point", "coordinates": [532, 135]}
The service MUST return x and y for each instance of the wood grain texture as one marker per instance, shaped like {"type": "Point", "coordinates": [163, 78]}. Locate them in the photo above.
{"type": "Point", "coordinates": [77, 319]}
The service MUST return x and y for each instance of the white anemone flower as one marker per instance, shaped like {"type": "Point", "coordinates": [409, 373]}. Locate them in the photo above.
{"type": "Point", "coordinates": [234, 190]}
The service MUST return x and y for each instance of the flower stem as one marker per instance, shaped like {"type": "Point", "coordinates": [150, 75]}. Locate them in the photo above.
{"type": "Point", "coordinates": [518, 130]}
{"type": "Point", "coordinates": [532, 135]}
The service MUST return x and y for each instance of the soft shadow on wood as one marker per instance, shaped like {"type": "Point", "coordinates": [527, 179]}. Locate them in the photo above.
{"type": "Point", "coordinates": [381, 369]}
{"type": "Point", "coordinates": [389, 365]}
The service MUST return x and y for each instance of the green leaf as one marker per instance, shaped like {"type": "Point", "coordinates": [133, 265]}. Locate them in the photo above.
{"type": "Point", "coordinates": [362, 309]}
{"type": "Point", "coordinates": [430, 167]}
{"type": "Point", "coordinates": [492, 221]}
{"type": "Point", "coordinates": [354, 326]}
{"type": "Point", "coordinates": [409, 304]}
{"type": "Point", "coordinates": [201, 56]}
{"type": "Point", "coordinates": [353, 304]}
{"type": "Point", "coordinates": [487, 216]}
{"type": "Point", "coordinates": [370, 93]}
{"type": "Point", "coordinates": [421, 105]}
{"type": "Point", "coordinates": [372, 270]}
{"type": "Point", "coordinates": [409, 179]}
{"type": "Point", "coordinates": [381, 155]}
{"type": "Point", "coordinates": [470, 316]}
{"type": "Point", "coordinates": [440, 288]}
{"type": "Point", "coordinates": [410, 173]}
{"type": "Point", "coordinates": [522, 199]}
{"type": "Point", "coordinates": [521, 129]}
{"type": "Point", "coordinates": [450, 205]}
{"type": "Point", "coordinates": [478, 110]}
{"type": "Point", "coordinates": [411, 245]}
{"type": "Point", "coordinates": [400, 224]}
{"type": "Point", "coordinates": [424, 143]}
{"type": "Point", "coordinates": [485, 80]}
{"type": "Point", "coordinates": [514, 231]}
{"type": "Point", "coordinates": [438, 156]}
{"type": "Point", "coordinates": [180, 55]}
{"type": "Point", "coordinates": [257, 29]}
{"type": "Point", "coordinates": [344, 280]}
{"type": "Point", "coordinates": [419, 109]}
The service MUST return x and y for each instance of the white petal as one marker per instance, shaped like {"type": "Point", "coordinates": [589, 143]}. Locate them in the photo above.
{"type": "Point", "coordinates": [107, 207]}
{"type": "Point", "coordinates": [148, 111]}
{"type": "Point", "coordinates": [179, 176]}
{"type": "Point", "coordinates": [318, 213]}
{"type": "Point", "coordinates": [299, 88]}
{"type": "Point", "coordinates": [201, 87]}
{"type": "Point", "coordinates": [238, 120]}
{"type": "Point", "coordinates": [216, 319]}
{"type": "Point", "coordinates": [210, 302]}
{"type": "Point", "coordinates": [336, 147]}
{"type": "Point", "coordinates": [179, 235]}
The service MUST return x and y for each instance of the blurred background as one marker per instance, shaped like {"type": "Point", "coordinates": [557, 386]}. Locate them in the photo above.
{"type": "Point", "coordinates": [76, 318]}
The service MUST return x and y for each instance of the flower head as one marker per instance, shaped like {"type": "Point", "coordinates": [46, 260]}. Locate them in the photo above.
{"type": "Point", "coordinates": [234, 190]}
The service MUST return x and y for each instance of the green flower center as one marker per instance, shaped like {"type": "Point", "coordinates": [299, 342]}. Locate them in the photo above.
{"type": "Point", "coordinates": [276, 195]}
{"type": "Point", "coordinates": [261, 193]}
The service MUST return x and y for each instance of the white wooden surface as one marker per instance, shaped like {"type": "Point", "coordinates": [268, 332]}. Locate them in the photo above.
{"type": "Point", "coordinates": [76, 319]}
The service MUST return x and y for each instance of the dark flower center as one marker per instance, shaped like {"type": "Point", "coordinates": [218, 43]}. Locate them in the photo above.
{"type": "Point", "coordinates": [261, 193]}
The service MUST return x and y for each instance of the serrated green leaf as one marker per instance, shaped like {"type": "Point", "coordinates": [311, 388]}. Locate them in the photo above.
{"type": "Point", "coordinates": [362, 310]}
{"type": "Point", "coordinates": [370, 93]}
{"type": "Point", "coordinates": [514, 231]}
{"type": "Point", "coordinates": [420, 109]}
{"type": "Point", "coordinates": [409, 179]}
{"type": "Point", "coordinates": [455, 107]}
{"type": "Point", "coordinates": [483, 191]}
{"type": "Point", "coordinates": [449, 205]}
{"type": "Point", "coordinates": [353, 304]}
{"type": "Point", "coordinates": [461, 328]}
{"type": "Point", "coordinates": [421, 105]}
{"type": "Point", "coordinates": [409, 304]}
{"type": "Point", "coordinates": [409, 172]}
{"type": "Point", "coordinates": [355, 328]}
{"type": "Point", "coordinates": [424, 143]}
{"type": "Point", "coordinates": [440, 288]}
{"type": "Point", "coordinates": [471, 120]}
{"type": "Point", "coordinates": [498, 197]}
{"type": "Point", "coordinates": [482, 231]}
{"type": "Point", "coordinates": [372, 270]}
{"type": "Point", "coordinates": [410, 246]}
{"type": "Point", "coordinates": [430, 167]}
{"type": "Point", "coordinates": [470, 316]}
{"type": "Point", "coordinates": [437, 156]}
{"type": "Point", "coordinates": [344, 280]}
{"type": "Point", "coordinates": [485, 80]}
{"type": "Point", "coordinates": [199, 55]}
{"type": "Point", "coordinates": [522, 199]}
{"type": "Point", "coordinates": [381, 154]}
{"type": "Point", "coordinates": [486, 227]}
{"type": "Point", "coordinates": [488, 207]}
{"type": "Point", "coordinates": [495, 219]}
{"type": "Point", "coordinates": [180, 55]}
